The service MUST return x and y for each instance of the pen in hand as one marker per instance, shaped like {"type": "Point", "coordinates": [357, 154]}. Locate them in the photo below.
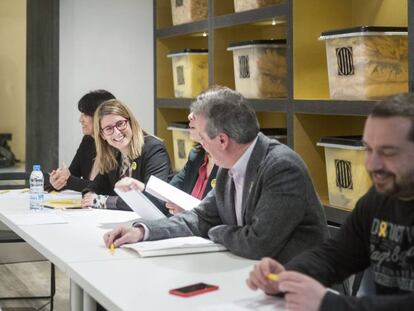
{"type": "Point", "coordinates": [112, 248]}
{"type": "Point", "coordinates": [273, 277]}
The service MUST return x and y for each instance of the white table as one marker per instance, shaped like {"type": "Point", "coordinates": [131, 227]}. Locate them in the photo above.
{"type": "Point", "coordinates": [143, 283]}
{"type": "Point", "coordinates": [124, 281]}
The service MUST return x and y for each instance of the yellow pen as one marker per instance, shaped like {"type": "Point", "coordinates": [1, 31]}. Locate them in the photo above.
{"type": "Point", "coordinates": [4, 191]}
{"type": "Point", "coordinates": [112, 249]}
{"type": "Point", "coordinates": [25, 190]}
{"type": "Point", "coordinates": [273, 277]}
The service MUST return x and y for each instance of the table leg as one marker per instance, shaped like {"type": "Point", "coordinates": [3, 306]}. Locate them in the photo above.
{"type": "Point", "coordinates": [76, 297]}
{"type": "Point", "coordinates": [89, 304]}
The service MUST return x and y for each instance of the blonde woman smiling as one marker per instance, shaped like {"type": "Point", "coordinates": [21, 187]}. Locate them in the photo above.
{"type": "Point", "coordinates": [123, 149]}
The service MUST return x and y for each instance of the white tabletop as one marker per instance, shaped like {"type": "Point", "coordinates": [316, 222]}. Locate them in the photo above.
{"type": "Point", "coordinates": [143, 283]}
{"type": "Point", "coordinates": [123, 281]}
{"type": "Point", "coordinates": [80, 239]}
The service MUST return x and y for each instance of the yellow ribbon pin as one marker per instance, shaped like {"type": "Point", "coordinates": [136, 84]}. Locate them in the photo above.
{"type": "Point", "coordinates": [134, 166]}
{"type": "Point", "coordinates": [213, 183]}
{"type": "Point", "coordinates": [383, 230]}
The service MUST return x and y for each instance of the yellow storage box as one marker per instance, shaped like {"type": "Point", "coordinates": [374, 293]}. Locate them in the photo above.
{"type": "Point", "coordinates": [187, 11]}
{"type": "Point", "coordinates": [244, 5]}
{"type": "Point", "coordinates": [260, 68]}
{"type": "Point", "coordinates": [182, 143]}
{"type": "Point", "coordinates": [190, 71]}
{"type": "Point", "coordinates": [348, 179]}
{"type": "Point", "coordinates": [367, 62]}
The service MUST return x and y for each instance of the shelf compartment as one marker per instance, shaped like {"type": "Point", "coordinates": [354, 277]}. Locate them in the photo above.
{"type": "Point", "coordinates": [307, 131]}
{"type": "Point", "coordinates": [164, 74]}
{"type": "Point", "coordinates": [310, 18]}
{"type": "Point", "coordinates": [223, 70]}
{"type": "Point", "coordinates": [163, 22]}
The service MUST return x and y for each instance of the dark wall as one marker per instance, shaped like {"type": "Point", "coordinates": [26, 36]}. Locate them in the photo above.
{"type": "Point", "coordinates": [42, 96]}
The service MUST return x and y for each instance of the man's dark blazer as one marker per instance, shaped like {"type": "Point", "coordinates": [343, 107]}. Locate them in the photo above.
{"type": "Point", "coordinates": [281, 212]}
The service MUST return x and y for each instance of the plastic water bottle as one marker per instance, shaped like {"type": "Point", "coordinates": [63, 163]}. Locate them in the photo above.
{"type": "Point", "coordinates": [36, 189]}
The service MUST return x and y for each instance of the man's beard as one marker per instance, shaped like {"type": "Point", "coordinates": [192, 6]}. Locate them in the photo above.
{"type": "Point", "coordinates": [402, 187]}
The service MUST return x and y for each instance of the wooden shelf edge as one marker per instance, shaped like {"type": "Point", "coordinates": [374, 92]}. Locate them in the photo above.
{"type": "Point", "coordinates": [271, 105]}
{"type": "Point", "coordinates": [334, 107]}
{"type": "Point", "coordinates": [173, 103]}
{"type": "Point", "coordinates": [181, 30]}
{"type": "Point", "coordinates": [250, 16]}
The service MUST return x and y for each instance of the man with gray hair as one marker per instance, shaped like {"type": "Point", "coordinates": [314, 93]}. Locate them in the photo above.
{"type": "Point", "coordinates": [264, 203]}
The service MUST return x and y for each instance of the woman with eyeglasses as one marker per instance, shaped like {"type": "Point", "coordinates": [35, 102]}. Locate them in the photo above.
{"type": "Point", "coordinates": [82, 169]}
{"type": "Point", "coordinates": [123, 149]}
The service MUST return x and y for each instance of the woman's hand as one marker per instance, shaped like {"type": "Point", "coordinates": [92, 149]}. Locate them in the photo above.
{"type": "Point", "coordinates": [87, 199]}
{"type": "Point", "coordinates": [129, 183]}
{"type": "Point", "coordinates": [59, 177]}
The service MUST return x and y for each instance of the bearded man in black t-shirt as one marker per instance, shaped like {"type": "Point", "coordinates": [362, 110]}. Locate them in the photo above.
{"type": "Point", "coordinates": [378, 234]}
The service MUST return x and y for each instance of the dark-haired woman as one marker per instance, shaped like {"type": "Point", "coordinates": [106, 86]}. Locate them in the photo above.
{"type": "Point", "coordinates": [82, 169]}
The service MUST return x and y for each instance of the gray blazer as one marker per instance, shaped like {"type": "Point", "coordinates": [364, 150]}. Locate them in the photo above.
{"type": "Point", "coordinates": [282, 214]}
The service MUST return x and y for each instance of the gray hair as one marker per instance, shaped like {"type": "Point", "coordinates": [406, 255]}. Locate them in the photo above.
{"type": "Point", "coordinates": [401, 105]}
{"type": "Point", "coordinates": [227, 111]}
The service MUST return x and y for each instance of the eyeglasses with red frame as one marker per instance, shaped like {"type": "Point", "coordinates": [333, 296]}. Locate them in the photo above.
{"type": "Point", "coordinates": [121, 125]}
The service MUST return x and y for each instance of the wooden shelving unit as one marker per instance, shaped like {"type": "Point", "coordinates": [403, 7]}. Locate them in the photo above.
{"type": "Point", "coordinates": [307, 112]}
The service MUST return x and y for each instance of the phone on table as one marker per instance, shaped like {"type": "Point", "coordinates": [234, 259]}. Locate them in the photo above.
{"type": "Point", "coordinates": [193, 289]}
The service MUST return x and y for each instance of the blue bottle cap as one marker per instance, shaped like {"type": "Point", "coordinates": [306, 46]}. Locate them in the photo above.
{"type": "Point", "coordinates": [36, 167]}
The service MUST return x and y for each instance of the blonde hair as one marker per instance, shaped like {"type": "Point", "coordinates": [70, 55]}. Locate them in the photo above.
{"type": "Point", "coordinates": [106, 155]}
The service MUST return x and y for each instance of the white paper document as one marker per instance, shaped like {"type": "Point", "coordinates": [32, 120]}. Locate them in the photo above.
{"type": "Point", "coordinates": [37, 218]}
{"type": "Point", "coordinates": [175, 246]}
{"type": "Point", "coordinates": [165, 192]}
{"type": "Point", "coordinates": [140, 204]}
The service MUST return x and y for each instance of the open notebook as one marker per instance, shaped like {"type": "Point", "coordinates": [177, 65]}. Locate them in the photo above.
{"type": "Point", "coordinates": [175, 246]}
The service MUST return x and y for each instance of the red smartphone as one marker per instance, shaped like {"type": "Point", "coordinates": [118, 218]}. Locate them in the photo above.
{"type": "Point", "coordinates": [194, 289]}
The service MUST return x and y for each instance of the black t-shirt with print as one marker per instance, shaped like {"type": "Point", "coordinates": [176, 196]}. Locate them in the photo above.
{"type": "Point", "coordinates": [379, 234]}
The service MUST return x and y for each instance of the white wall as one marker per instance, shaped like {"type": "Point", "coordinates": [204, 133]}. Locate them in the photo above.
{"type": "Point", "coordinates": [104, 44]}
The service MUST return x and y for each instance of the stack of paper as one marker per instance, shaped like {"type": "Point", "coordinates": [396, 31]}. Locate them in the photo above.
{"type": "Point", "coordinates": [63, 200]}
{"type": "Point", "coordinates": [175, 246]}
{"type": "Point", "coordinates": [165, 192]}
{"type": "Point", "coordinates": [140, 204]}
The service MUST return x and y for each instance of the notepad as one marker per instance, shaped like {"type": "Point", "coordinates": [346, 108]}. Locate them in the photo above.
{"type": "Point", "coordinates": [140, 204]}
{"type": "Point", "coordinates": [63, 204]}
{"type": "Point", "coordinates": [63, 200]}
{"type": "Point", "coordinates": [175, 246]}
{"type": "Point", "coordinates": [165, 192]}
